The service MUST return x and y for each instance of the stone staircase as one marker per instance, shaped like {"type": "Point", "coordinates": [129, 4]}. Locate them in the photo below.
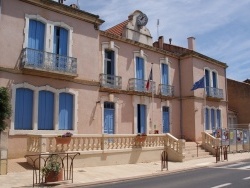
{"type": "Point", "coordinates": [191, 151]}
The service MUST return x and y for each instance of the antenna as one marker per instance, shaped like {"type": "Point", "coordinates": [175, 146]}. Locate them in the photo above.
{"type": "Point", "coordinates": [158, 23]}
{"type": "Point", "coordinates": [78, 4]}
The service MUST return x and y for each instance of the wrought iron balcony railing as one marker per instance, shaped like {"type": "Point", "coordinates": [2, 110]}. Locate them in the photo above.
{"type": "Point", "coordinates": [110, 81]}
{"type": "Point", "coordinates": [166, 90]}
{"type": "Point", "coordinates": [141, 85]}
{"type": "Point", "coordinates": [214, 92]}
{"type": "Point", "coordinates": [48, 61]}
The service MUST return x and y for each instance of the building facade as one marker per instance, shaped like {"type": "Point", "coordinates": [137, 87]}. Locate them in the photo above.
{"type": "Point", "coordinates": [64, 74]}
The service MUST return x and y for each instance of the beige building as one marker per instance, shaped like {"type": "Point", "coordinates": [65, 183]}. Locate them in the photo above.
{"type": "Point", "coordinates": [64, 74]}
{"type": "Point", "coordinates": [239, 101]}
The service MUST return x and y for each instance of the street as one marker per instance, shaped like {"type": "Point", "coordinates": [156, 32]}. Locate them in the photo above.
{"type": "Point", "coordinates": [223, 175]}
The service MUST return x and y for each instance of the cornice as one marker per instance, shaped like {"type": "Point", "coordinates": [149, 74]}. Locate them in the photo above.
{"type": "Point", "coordinates": [66, 10]}
{"type": "Point", "coordinates": [135, 43]}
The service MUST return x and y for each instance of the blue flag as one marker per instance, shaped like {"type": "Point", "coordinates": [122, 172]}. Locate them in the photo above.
{"type": "Point", "coordinates": [199, 84]}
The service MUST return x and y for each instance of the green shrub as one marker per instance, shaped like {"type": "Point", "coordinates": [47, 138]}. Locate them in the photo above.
{"type": "Point", "coordinates": [5, 108]}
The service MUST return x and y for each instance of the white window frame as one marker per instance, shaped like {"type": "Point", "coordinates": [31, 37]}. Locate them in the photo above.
{"type": "Point", "coordinates": [165, 61]}
{"type": "Point", "coordinates": [167, 104]}
{"type": "Point", "coordinates": [49, 33]}
{"type": "Point", "coordinates": [35, 109]}
{"type": "Point", "coordinates": [144, 56]}
{"type": "Point", "coordinates": [211, 76]}
{"type": "Point", "coordinates": [210, 120]}
{"type": "Point", "coordinates": [110, 46]}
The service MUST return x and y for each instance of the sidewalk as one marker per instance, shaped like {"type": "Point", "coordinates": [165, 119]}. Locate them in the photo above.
{"type": "Point", "coordinates": [22, 177]}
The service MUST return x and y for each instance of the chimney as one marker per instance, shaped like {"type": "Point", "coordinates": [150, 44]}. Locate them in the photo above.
{"type": "Point", "coordinates": [191, 43]}
{"type": "Point", "coordinates": [161, 42]}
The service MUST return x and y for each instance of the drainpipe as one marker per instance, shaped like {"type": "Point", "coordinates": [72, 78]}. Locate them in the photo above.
{"type": "Point", "coordinates": [180, 88]}
{"type": "Point", "coordinates": [226, 95]}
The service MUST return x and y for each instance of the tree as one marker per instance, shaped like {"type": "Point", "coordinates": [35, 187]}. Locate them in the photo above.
{"type": "Point", "coordinates": [5, 108]}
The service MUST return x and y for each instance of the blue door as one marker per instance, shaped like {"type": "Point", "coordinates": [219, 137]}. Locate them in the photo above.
{"type": "Point", "coordinates": [109, 113]}
{"type": "Point", "coordinates": [23, 109]}
{"type": "Point", "coordinates": [61, 47]}
{"type": "Point", "coordinates": [139, 83]}
{"type": "Point", "coordinates": [213, 119]}
{"type": "Point", "coordinates": [165, 119]}
{"type": "Point", "coordinates": [46, 110]}
{"type": "Point", "coordinates": [65, 111]}
{"type": "Point", "coordinates": [141, 118]}
{"type": "Point", "coordinates": [164, 79]}
{"type": "Point", "coordinates": [36, 43]}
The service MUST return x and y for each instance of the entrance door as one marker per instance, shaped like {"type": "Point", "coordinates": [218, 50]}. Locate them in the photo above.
{"type": "Point", "coordinates": [141, 118]}
{"type": "Point", "coordinates": [165, 119]}
{"type": "Point", "coordinates": [109, 113]}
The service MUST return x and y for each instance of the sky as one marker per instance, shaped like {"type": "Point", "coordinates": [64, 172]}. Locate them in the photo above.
{"type": "Point", "coordinates": [221, 27]}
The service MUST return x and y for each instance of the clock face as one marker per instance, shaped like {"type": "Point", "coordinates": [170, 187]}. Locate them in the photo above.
{"type": "Point", "coordinates": [142, 20]}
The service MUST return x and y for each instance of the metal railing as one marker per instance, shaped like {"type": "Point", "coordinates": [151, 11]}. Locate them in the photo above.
{"type": "Point", "coordinates": [141, 85]}
{"type": "Point", "coordinates": [110, 81]}
{"type": "Point", "coordinates": [214, 92]}
{"type": "Point", "coordinates": [39, 161]}
{"type": "Point", "coordinates": [36, 59]}
{"type": "Point", "coordinates": [166, 90]}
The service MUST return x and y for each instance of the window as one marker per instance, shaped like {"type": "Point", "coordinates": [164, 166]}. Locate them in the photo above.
{"type": "Point", "coordinates": [24, 109]}
{"type": "Point", "coordinates": [109, 62]}
{"type": "Point", "coordinates": [139, 82]}
{"type": "Point", "coordinates": [164, 74]}
{"type": "Point", "coordinates": [48, 36]}
{"type": "Point", "coordinates": [39, 110]}
{"type": "Point", "coordinates": [212, 118]}
{"type": "Point", "coordinates": [46, 110]}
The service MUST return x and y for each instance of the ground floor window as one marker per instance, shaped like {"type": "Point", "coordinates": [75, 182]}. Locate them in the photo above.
{"type": "Point", "coordinates": [109, 117]}
{"type": "Point", "coordinates": [141, 118]}
{"type": "Point", "coordinates": [212, 118]}
{"type": "Point", "coordinates": [42, 108]}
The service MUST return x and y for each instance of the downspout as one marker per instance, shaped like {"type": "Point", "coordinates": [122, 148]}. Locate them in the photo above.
{"type": "Point", "coordinates": [180, 89]}
{"type": "Point", "coordinates": [226, 95]}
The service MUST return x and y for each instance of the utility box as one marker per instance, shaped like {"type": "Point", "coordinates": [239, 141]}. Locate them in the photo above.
{"type": "Point", "coordinates": [3, 153]}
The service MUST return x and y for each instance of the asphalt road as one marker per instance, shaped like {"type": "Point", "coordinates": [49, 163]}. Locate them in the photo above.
{"type": "Point", "coordinates": [228, 175]}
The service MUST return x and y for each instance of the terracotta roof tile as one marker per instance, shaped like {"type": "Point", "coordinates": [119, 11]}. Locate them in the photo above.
{"type": "Point", "coordinates": [117, 29]}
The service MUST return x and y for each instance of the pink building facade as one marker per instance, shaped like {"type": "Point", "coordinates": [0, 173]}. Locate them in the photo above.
{"type": "Point", "coordinates": [64, 74]}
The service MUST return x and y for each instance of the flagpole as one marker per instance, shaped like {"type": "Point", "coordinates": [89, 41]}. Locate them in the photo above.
{"type": "Point", "coordinates": [152, 98]}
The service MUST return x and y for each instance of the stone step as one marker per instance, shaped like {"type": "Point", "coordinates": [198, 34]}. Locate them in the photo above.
{"type": "Point", "coordinates": [191, 151]}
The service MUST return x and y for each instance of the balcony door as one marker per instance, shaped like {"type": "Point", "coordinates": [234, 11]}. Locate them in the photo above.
{"type": "Point", "coordinates": [139, 82]}
{"type": "Point", "coordinates": [36, 43]}
{"type": "Point", "coordinates": [207, 83]}
{"type": "Point", "coordinates": [109, 67]}
{"type": "Point", "coordinates": [141, 118]}
{"type": "Point", "coordinates": [165, 119]}
{"type": "Point", "coordinates": [60, 48]}
{"type": "Point", "coordinates": [164, 79]}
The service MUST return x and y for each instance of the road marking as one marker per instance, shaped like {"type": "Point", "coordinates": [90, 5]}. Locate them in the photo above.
{"type": "Point", "coordinates": [244, 167]}
{"type": "Point", "coordinates": [232, 165]}
{"type": "Point", "coordinates": [247, 178]}
{"type": "Point", "coordinates": [222, 185]}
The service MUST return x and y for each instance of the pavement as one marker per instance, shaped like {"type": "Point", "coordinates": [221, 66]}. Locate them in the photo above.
{"type": "Point", "coordinates": [20, 174]}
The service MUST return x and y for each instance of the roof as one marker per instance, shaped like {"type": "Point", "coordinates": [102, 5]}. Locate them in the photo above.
{"type": "Point", "coordinates": [117, 29]}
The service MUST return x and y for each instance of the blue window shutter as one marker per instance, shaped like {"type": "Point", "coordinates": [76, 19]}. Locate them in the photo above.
{"type": "Point", "coordinates": [23, 109]}
{"type": "Point", "coordinates": [214, 80]}
{"type": "Point", "coordinates": [32, 34]}
{"type": "Point", "coordinates": [45, 110]}
{"type": "Point", "coordinates": [213, 119]}
{"type": "Point", "coordinates": [112, 63]}
{"type": "Point", "coordinates": [207, 119]}
{"type": "Point", "coordinates": [65, 111]}
{"type": "Point", "coordinates": [109, 114]}
{"type": "Point", "coordinates": [165, 116]}
{"type": "Point", "coordinates": [63, 44]}
{"type": "Point", "coordinates": [139, 68]}
{"type": "Point", "coordinates": [165, 74]}
{"type": "Point", "coordinates": [40, 31]}
{"type": "Point", "coordinates": [219, 118]}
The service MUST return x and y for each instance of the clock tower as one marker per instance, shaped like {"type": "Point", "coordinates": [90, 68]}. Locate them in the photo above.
{"type": "Point", "coordinates": [136, 28]}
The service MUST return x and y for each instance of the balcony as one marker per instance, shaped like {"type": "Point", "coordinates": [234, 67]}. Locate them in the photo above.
{"type": "Point", "coordinates": [48, 62]}
{"type": "Point", "coordinates": [139, 85]}
{"type": "Point", "coordinates": [110, 81]}
{"type": "Point", "coordinates": [166, 90]}
{"type": "Point", "coordinates": [214, 93]}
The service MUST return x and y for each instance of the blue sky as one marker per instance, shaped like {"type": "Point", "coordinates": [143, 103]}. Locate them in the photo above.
{"type": "Point", "coordinates": [221, 27]}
